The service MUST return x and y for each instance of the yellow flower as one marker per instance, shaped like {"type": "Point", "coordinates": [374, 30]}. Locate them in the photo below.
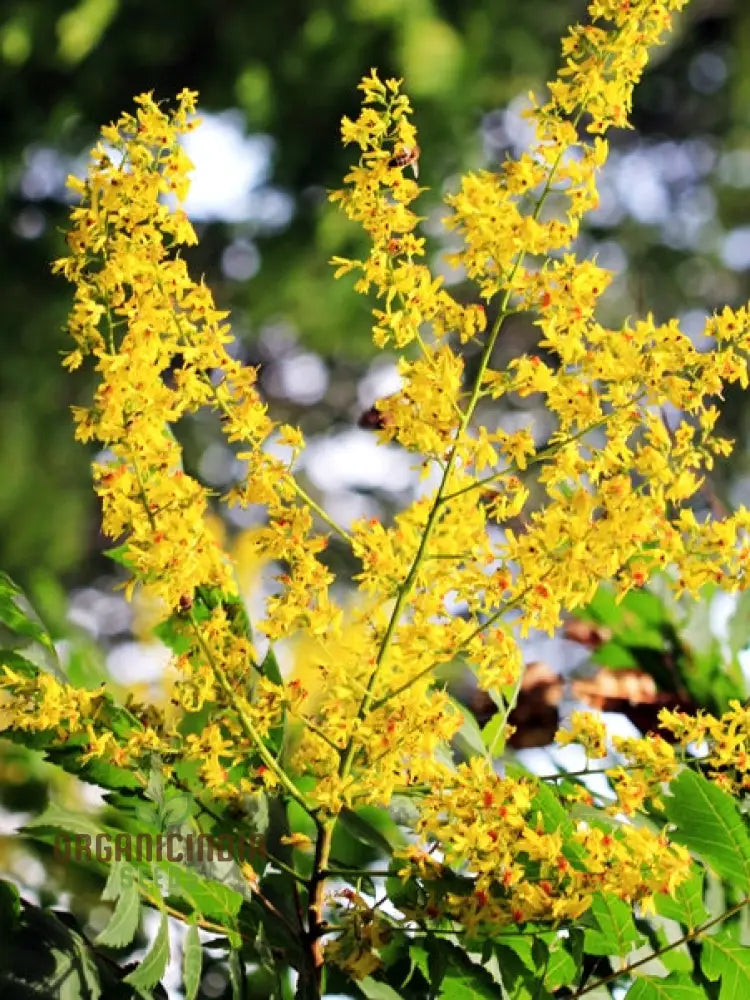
{"type": "Point", "coordinates": [588, 730]}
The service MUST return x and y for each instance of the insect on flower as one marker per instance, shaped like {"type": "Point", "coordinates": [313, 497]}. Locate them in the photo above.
{"type": "Point", "coordinates": [372, 420]}
{"type": "Point", "coordinates": [407, 156]}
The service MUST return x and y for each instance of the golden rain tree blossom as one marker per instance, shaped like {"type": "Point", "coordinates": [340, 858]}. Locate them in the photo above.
{"type": "Point", "coordinates": [365, 723]}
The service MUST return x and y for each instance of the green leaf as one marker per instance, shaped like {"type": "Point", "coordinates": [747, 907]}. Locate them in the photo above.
{"type": "Point", "coordinates": [98, 771]}
{"type": "Point", "coordinates": [468, 739]}
{"type": "Point", "coordinates": [43, 956]}
{"type": "Point", "coordinates": [207, 897]}
{"type": "Point", "coordinates": [192, 962]}
{"type": "Point", "coordinates": [615, 933]}
{"type": "Point", "coordinates": [636, 620]}
{"type": "Point", "coordinates": [604, 607]}
{"type": "Point", "coordinates": [235, 974]}
{"type": "Point", "coordinates": [464, 986]}
{"type": "Point", "coordinates": [270, 667]}
{"type": "Point", "coordinates": [520, 981]}
{"type": "Point", "coordinates": [374, 990]}
{"type": "Point", "coordinates": [575, 942]}
{"type": "Point", "coordinates": [175, 810]}
{"type": "Point", "coordinates": [18, 664]}
{"type": "Point", "coordinates": [725, 958]}
{"type": "Point", "coordinates": [561, 967]}
{"type": "Point", "coordinates": [647, 607]}
{"type": "Point", "coordinates": [120, 873]}
{"type": "Point", "coordinates": [437, 962]}
{"type": "Point", "coordinates": [676, 986]}
{"type": "Point", "coordinates": [10, 905]}
{"type": "Point", "coordinates": [173, 634]}
{"type": "Point", "coordinates": [493, 734]}
{"type": "Point", "coordinates": [154, 965]}
{"type": "Point", "coordinates": [418, 957]}
{"type": "Point", "coordinates": [708, 822]}
{"type": "Point", "coordinates": [556, 819]}
{"type": "Point", "coordinates": [123, 923]}
{"type": "Point", "coordinates": [669, 936]}
{"type": "Point", "coordinates": [59, 817]}
{"type": "Point", "coordinates": [523, 948]}
{"type": "Point", "coordinates": [449, 970]}
{"type": "Point", "coordinates": [373, 827]}
{"type": "Point", "coordinates": [685, 904]}
{"type": "Point", "coordinates": [119, 554]}
{"type": "Point", "coordinates": [155, 787]}
{"type": "Point", "coordinates": [21, 630]}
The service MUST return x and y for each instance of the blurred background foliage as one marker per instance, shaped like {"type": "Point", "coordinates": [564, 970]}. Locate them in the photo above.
{"type": "Point", "coordinates": [274, 80]}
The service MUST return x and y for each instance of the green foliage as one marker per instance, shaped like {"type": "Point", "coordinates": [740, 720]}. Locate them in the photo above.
{"type": "Point", "coordinates": [672, 987]}
{"type": "Point", "coordinates": [686, 903]}
{"type": "Point", "coordinates": [44, 954]}
{"type": "Point", "coordinates": [154, 965]}
{"type": "Point", "coordinates": [192, 961]}
{"type": "Point", "coordinates": [727, 959]}
{"type": "Point", "coordinates": [614, 932]}
{"type": "Point", "coordinates": [450, 972]}
{"type": "Point", "coordinates": [708, 821]}
{"type": "Point", "coordinates": [673, 641]}
{"type": "Point", "coordinates": [26, 644]}
{"type": "Point", "coordinates": [123, 924]}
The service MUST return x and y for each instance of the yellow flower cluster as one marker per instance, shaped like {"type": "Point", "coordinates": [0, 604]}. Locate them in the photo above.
{"type": "Point", "coordinates": [617, 477]}
{"type": "Point", "coordinates": [364, 717]}
{"type": "Point", "coordinates": [612, 469]}
{"type": "Point", "coordinates": [648, 764]}
{"type": "Point", "coordinates": [155, 337]}
{"type": "Point", "coordinates": [158, 344]}
{"type": "Point", "coordinates": [378, 198]}
{"type": "Point", "coordinates": [588, 730]}
{"type": "Point", "coordinates": [722, 746]}
{"type": "Point", "coordinates": [524, 868]}
{"type": "Point", "coordinates": [35, 704]}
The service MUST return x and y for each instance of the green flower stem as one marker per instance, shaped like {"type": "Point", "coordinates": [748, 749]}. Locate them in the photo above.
{"type": "Point", "coordinates": [464, 642]}
{"type": "Point", "coordinates": [315, 728]}
{"type": "Point", "coordinates": [142, 492]}
{"type": "Point", "coordinates": [432, 518]}
{"type": "Point", "coordinates": [510, 704]}
{"type": "Point", "coordinates": [306, 498]}
{"type": "Point", "coordinates": [247, 725]}
{"type": "Point", "coordinates": [549, 452]}
{"type": "Point", "coordinates": [301, 493]}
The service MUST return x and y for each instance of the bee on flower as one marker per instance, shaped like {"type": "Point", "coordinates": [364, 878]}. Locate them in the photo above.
{"type": "Point", "coordinates": [407, 156]}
